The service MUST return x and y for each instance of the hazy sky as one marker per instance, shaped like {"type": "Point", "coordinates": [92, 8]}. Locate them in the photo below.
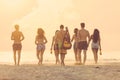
{"type": "Point", "coordinates": [49, 14]}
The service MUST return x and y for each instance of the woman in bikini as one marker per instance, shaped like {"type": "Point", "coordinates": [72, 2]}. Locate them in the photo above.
{"type": "Point", "coordinates": [40, 41]}
{"type": "Point", "coordinates": [75, 39]}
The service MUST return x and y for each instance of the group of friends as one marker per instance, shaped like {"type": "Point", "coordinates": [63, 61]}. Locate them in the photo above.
{"type": "Point", "coordinates": [81, 38]}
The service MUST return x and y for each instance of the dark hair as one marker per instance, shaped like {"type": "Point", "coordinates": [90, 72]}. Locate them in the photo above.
{"type": "Point", "coordinates": [75, 31]}
{"type": "Point", "coordinates": [61, 26]}
{"type": "Point", "coordinates": [82, 25]}
{"type": "Point", "coordinates": [96, 35]}
{"type": "Point", "coordinates": [56, 31]}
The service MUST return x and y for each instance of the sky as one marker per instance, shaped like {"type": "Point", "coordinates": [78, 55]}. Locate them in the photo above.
{"type": "Point", "coordinates": [50, 14]}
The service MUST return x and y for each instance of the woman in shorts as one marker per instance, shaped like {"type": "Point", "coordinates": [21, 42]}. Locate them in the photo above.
{"type": "Point", "coordinates": [95, 44]}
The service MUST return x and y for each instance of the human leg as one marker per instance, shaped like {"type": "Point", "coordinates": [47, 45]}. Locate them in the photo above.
{"type": "Point", "coordinates": [37, 54]}
{"type": "Point", "coordinates": [85, 56]}
{"type": "Point", "coordinates": [79, 56]}
{"type": "Point", "coordinates": [84, 47]}
{"type": "Point", "coordinates": [19, 56]}
{"type": "Point", "coordinates": [58, 60]}
{"type": "Point", "coordinates": [62, 59]}
{"type": "Point", "coordinates": [75, 47]}
{"type": "Point", "coordinates": [14, 56]}
{"type": "Point", "coordinates": [57, 56]}
{"type": "Point", "coordinates": [95, 55]}
{"type": "Point", "coordinates": [41, 56]}
{"type": "Point", "coordinates": [75, 52]}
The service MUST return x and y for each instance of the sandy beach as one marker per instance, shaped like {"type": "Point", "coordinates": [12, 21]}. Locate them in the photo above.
{"type": "Point", "coordinates": [108, 71]}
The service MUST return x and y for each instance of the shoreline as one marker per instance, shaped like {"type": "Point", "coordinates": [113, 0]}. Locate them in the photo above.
{"type": "Point", "coordinates": [67, 62]}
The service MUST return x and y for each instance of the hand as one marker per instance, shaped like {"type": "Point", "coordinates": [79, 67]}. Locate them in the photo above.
{"type": "Point", "coordinates": [100, 52]}
{"type": "Point", "coordinates": [51, 50]}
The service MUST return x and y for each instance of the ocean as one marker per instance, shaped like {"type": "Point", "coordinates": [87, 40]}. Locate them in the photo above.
{"type": "Point", "coordinates": [29, 57]}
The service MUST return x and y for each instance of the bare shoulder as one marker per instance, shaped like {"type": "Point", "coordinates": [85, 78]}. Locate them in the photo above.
{"type": "Point", "coordinates": [87, 31]}
{"type": "Point", "coordinates": [14, 33]}
{"type": "Point", "coordinates": [84, 30]}
{"type": "Point", "coordinates": [20, 32]}
{"type": "Point", "coordinates": [58, 32]}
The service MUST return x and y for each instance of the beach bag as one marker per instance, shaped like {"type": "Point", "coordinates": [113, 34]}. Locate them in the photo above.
{"type": "Point", "coordinates": [66, 45]}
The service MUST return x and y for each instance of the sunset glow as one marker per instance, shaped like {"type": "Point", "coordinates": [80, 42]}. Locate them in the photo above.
{"type": "Point", "coordinates": [49, 14]}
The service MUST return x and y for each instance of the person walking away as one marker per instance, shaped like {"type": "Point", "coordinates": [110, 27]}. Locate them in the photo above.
{"type": "Point", "coordinates": [60, 36]}
{"type": "Point", "coordinates": [40, 41]}
{"type": "Point", "coordinates": [75, 39]}
{"type": "Point", "coordinates": [83, 43]}
{"type": "Point", "coordinates": [96, 44]}
{"type": "Point", "coordinates": [56, 49]}
{"type": "Point", "coordinates": [17, 36]}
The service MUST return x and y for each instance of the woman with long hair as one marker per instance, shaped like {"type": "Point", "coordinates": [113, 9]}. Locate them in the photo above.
{"type": "Point", "coordinates": [40, 41]}
{"type": "Point", "coordinates": [96, 44]}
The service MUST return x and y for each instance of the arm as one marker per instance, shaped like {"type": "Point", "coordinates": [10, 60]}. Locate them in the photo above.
{"type": "Point", "coordinates": [22, 37]}
{"type": "Point", "coordinates": [78, 34]}
{"type": "Point", "coordinates": [100, 43]}
{"type": "Point", "coordinates": [45, 40]}
{"type": "Point", "coordinates": [36, 40]}
{"type": "Point", "coordinates": [89, 39]}
{"type": "Point", "coordinates": [12, 37]}
{"type": "Point", "coordinates": [100, 46]}
{"type": "Point", "coordinates": [52, 43]}
{"type": "Point", "coordinates": [72, 38]}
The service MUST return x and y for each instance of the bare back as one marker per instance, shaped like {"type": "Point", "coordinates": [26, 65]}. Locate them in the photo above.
{"type": "Point", "coordinates": [59, 36]}
{"type": "Point", "coordinates": [40, 40]}
{"type": "Point", "coordinates": [17, 36]}
{"type": "Point", "coordinates": [84, 34]}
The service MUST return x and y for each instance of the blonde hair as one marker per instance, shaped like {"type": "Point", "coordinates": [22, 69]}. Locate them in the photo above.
{"type": "Point", "coordinates": [40, 33]}
{"type": "Point", "coordinates": [16, 26]}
